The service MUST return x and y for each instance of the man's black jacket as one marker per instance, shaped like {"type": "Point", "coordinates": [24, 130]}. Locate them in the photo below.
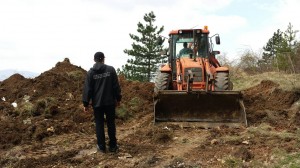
{"type": "Point", "coordinates": [102, 86]}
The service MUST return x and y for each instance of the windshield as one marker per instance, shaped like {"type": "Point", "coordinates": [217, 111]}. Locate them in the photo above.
{"type": "Point", "coordinates": [184, 45]}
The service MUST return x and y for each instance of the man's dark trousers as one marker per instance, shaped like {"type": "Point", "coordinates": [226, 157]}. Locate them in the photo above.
{"type": "Point", "coordinates": [110, 114]}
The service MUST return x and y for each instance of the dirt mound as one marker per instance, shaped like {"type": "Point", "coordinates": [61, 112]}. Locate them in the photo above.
{"type": "Point", "coordinates": [59, 82]}
{"type": "Point", "coordinates": [12, 86]}
{"type": "Point", "coordinates": [266, 102]}
{"type": "Point", "coordinates": [52, 96]}
{"type": "Point", "coordinates": [50, 104]}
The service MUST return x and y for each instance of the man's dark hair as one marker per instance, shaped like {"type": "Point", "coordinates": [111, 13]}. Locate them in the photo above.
{"type": "Point", "coordinates": [99, 57]}
{"type": "Point", "coordinates": [185, 44]}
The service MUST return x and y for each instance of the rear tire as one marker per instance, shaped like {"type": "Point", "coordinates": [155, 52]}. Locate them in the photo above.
{"type": "Point", "coordinates": [222, 81]}
{"type": "Point", "coordinates": [162, 81]}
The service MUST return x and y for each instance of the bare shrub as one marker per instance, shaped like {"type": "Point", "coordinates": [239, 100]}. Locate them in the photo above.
{"type": "Point", "coordinates": [249, 61]}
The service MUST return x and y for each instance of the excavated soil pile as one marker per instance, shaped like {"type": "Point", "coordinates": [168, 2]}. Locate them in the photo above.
{"type": "Point", "coordinates": [49, 129]}
{"type": "Point", "coordinates": [50, 104]}
{"type": "Point", "coordinates": [46, 105]}
{"type": "Point", "coordinates": [268, 103]}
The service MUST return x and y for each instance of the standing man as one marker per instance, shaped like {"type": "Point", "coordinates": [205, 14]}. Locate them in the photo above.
{"type": "Point", "coordinates": [102, 87]}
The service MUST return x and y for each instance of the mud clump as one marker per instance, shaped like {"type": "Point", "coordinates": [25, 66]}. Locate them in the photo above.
{"type": "Point", "coordinates": [243, 153]}
{"type": "Point", "coordinates": [161, 136]}
{"type": "Point", "coordinates": [296, 120]}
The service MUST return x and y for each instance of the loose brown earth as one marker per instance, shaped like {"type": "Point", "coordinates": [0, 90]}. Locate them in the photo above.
{"type": "Point", "coordinates": [49, 129]}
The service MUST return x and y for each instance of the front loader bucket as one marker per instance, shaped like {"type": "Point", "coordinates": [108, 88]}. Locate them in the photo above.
{"type": "Point", "coordinates": [212, 108]}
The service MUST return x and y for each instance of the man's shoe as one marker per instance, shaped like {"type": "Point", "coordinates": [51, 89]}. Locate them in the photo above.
{"type": "Point", "coordinates": [101, 149]}
{"type": "Point", "coordinates": [113, 149]}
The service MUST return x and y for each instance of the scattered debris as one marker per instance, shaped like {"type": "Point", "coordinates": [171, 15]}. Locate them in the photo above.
{"type": "Point", "coordinates": [26, 98]}
{"type": "Point", "coordinates": [245, 142]}
{"type": "Point", "coordinates": [50, 129]}
{"type": "Point", "coordinates": [27, 121]}
{"type": "Point", "coordinates": [125, 156]}
{"type": "Point", "coordinates": [166, 128]}
{"type": "Point", "coordinates": [214, 141]}
{"type": "Point", "coordinates": [14, 104]}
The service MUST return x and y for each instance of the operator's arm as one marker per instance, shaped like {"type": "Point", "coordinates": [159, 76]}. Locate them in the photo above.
{"type": "Point", "coordinates": [180, 53]}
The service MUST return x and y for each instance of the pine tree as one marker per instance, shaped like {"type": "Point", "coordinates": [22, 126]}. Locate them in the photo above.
{"type": "Point", "coordinates": [271, 48]}
{"type": "Point", "coordinates": [145, 51]}
{"type": "Point", "coordinates": [291, 47]}
{"type": "Point", "coordinates": [290, 36]}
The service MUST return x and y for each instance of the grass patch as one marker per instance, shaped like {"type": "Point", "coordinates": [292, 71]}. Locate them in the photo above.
{"type": "Point", "coordinates": [135, 103]}
{"type": "Point", "coordinates": [25, 109]}
{"type": "Point", "coordinates": [126, 111]}
{"type": "Point", "coordinates": [291, 161]}
{"type": "Point", "coordinates": [288, 82]}
{"type": "Point", "coordinates": [47, 106]}
{"type": "Point", "coordinates": [123, 112]}
{"type": "Point", "coordinates": [268, 131]}
{"type": "Point", "coordinates": [76, 75]}
{"type": "Point", "coordinates": [283, 159]}
{"type": "Point", "coordinates": [232, 162]}
{"type": "Point", "coordinates": [279, 156]}
{"type": "Point", "coordinates": [233, 139]}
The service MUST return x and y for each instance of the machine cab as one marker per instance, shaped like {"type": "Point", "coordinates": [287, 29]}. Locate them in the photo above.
{"type": "Point", "coordinates": [189, 43]}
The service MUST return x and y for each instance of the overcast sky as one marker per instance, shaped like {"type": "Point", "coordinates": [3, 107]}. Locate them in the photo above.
{"type": "Point", "coordinates": [36, 34]}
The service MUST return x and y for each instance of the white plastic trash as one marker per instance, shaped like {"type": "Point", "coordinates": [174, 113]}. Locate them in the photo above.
{"type": "Point", "coordinates": [14, 104]}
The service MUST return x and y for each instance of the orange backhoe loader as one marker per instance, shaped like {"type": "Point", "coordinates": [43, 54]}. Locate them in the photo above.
{"type": "Point", "coordinates": [193, 86]}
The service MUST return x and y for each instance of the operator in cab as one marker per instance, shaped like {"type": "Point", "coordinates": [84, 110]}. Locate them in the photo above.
{"type": "Point", "coordinates": [185, 51]}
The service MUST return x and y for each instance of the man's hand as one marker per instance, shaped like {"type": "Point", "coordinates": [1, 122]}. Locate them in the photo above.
{"type": "Point", "coordinates": [86, 109]}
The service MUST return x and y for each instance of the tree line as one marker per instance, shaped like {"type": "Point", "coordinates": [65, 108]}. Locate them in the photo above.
{"type": "Point", "coordinates": [281, 53]}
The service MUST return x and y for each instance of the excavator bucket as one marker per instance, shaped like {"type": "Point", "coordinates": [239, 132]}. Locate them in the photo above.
{"type": "Point", "coordinates": [209, 108]}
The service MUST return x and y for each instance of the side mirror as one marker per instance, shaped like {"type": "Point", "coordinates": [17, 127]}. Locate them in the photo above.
{"type": "Point", "coordinates": [215, 52]}
{"type": "Point", "coordinates": [218, 40]}
{"type": "Point", "coordinates": [160, 40]}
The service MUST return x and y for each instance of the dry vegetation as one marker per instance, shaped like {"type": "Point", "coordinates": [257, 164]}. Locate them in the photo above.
{"type": "Point", "coordinates": [288, 82]}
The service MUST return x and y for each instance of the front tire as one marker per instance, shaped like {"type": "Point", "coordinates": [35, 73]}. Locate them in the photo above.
{"type": "Point", "coordinates": [162, 81]}
{"type": "Point", "coordinates": [222, 82]}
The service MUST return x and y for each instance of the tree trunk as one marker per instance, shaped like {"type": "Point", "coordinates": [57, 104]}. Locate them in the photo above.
{"type": "Point", "coordinates": [149, 70]}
